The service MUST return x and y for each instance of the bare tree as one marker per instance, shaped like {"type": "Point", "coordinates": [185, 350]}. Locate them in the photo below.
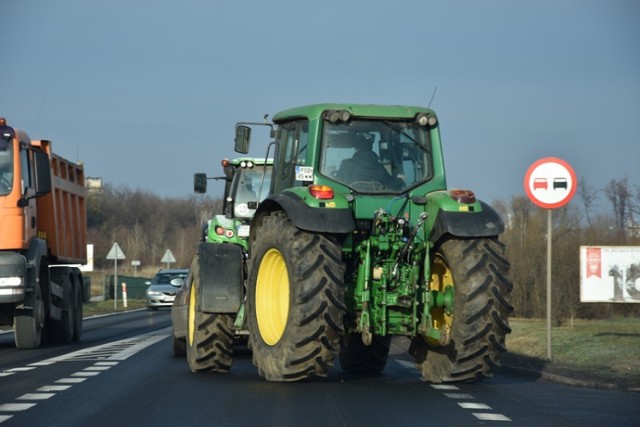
{"type": "Point", "coordinates": [617, 192]}
{"type": "Point", "coordinates": [588, 196]}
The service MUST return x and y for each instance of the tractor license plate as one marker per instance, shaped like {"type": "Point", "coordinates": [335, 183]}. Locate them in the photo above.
{"type": "Point", "coordinates": [243, 231]}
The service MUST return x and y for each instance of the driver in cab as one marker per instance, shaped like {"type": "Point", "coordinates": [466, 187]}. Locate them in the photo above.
{"type": "Point", "coordinates": [364, 166]}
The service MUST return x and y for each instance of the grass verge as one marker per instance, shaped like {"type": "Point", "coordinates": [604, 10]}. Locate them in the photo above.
{"type": "Point", "coordinates": [106, 307]}
{"type": "Point", "coordinates": [591, 350]}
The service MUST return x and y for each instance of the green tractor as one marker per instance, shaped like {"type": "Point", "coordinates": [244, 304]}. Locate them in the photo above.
{"type": "Point", "coordinates": [245, 178]}
{"type": "Point", "coordinates": [358, 241]}
{"type": "Point", "coordinates": [247, 182]}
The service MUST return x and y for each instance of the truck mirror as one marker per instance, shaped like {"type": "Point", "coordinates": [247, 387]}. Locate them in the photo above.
{"type": "Point", "coordinates": [243, 139]}
{"type": "Point", "coordinates": [43, 173]}
{"type": "Point", "coordinates": [200, 183]}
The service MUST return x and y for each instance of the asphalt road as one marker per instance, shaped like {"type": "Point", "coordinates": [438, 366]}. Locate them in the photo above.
{"type": "Point", "coordinates": [123, 373]}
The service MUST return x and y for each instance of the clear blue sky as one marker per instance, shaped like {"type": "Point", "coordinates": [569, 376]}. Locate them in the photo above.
{"type": "Point", "coordinates": [147, 92]}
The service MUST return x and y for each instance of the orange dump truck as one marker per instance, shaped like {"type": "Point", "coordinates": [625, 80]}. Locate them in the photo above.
{"type": "Point", "coordinates": [43, 231]}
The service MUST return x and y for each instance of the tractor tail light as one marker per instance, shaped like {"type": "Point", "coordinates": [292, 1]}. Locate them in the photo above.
{"type": "Point", "coordinates": [321, 191]}
{"type": "Point", "coordinates": [463, 196]}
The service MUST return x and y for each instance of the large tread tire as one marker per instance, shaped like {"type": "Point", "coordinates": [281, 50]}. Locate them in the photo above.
{"type": "Point", "coordinates": [210, 336]}
{"type": "Point", "coordinates": [78, 313]}
{"type": "Point", "coordinates": [366, 359]}
{"type": "Point", "coordinates": [479, 323]}
{"type": "Point", "coordinates": [62, 331]}
{"type": "Point", "coordinates": [295, 303]}
{"type": "Point", "coordinates": [29, 324]}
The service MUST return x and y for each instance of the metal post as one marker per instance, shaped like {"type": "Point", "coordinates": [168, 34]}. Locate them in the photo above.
{"type": "Point", "coordinates": [115, 282]}
{"type": "Point", "coordinates": [549, 237]}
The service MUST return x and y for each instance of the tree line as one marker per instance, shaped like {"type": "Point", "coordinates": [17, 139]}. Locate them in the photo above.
{"type": "Point", "coordinates": [580, 223]}
{"type": "Point", "coordinates": [146, 225]}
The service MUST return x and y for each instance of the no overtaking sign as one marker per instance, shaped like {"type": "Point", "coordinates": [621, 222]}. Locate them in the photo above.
{"type": "Point", "coordinates": [550, 183]}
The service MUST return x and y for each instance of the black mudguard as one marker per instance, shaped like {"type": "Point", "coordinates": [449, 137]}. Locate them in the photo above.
{"type": "Point", "coordinates": [221, 277]}
{"type": "Point", "coordinates": [305, 217]}
{"type": "Point", "coordinates": [486, 223]}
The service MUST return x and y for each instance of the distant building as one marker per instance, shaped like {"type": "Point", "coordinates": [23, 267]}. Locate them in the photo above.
{"type": "Point", "coordinates": [93, 185]}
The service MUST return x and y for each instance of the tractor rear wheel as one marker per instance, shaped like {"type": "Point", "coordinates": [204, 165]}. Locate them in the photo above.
{"type": "Point", "coordinates": [209, 335]}
{"type": "Point", "coordinates": [473, 335]}
{"type": "Point", "coordinates": [295, 301]}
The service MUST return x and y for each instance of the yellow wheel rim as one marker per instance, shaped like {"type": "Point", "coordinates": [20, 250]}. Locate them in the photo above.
{"type": "Point", "coordinates": [441, 278]}
{"type": "Point", "coordinates": [191, 318]}
{"type": "Point", "coordinates": [272, 296]}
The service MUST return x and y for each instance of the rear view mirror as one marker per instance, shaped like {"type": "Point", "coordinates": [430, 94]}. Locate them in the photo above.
{"type": "Point", "coordinates": [200, 183]}
{"type": "Point", "coordinates": [243, 139]}
{"type": "Point", "coordinates": [43, 173]}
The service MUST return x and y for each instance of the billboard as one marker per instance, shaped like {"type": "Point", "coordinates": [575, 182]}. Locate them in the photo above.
{"type": "Point", "coordinates": [610, 274]}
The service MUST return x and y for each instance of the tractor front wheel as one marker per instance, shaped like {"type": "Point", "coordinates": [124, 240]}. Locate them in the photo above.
{"type": "Point", "coordinates": [295, 301]}
{"type": "Point", "coordinates": [210, 336]}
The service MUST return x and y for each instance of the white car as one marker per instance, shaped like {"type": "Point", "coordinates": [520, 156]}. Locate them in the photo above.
{"type": "Point", "coordinates": [164, 286]}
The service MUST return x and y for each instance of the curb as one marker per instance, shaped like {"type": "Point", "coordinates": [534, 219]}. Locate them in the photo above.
{"type": "Point", "coordinates": [560, 379]}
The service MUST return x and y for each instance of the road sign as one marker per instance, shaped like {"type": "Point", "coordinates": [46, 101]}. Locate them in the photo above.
{"type": "Point", "coordinates": [550, 183]}
{"type": "Point", "coordinates": [115, 253]}
{"type": "Point", "coordinates": [168, 257]}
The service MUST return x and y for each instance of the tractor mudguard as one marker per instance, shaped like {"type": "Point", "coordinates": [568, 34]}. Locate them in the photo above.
{"type": "Point", "coordinates": [485, 223]}
{"type": "Point", "coordinates": [220, 278]}
{"type": "Point", "coordinates": [305, 217]}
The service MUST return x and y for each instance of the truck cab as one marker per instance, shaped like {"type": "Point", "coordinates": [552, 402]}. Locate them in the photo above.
{"type": "Point", "coordinates": [42, 240]}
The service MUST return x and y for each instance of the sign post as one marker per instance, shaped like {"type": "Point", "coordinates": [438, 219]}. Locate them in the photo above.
{"type": "Point", "coordinates": [550, 183]}
{"type": "Point", "coordinates": [115, 254]}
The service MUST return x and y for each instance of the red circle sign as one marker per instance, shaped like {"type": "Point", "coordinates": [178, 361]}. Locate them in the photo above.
{"type": "Point", "coordinates": [550, 183]}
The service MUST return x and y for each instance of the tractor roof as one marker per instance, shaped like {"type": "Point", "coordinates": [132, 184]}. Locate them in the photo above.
{"type": "Point", "coordinates": [358, 110]}
{"type": "Point", "coordinates": [254, 160]}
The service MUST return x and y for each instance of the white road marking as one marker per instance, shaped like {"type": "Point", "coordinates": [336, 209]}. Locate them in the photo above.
{"type": "Point", "coordinates": [117, 350]}
{"type": "Point", "coordinates": [108, 355]}
{"type": "Point", "coordinates": [54, 388]}
{"type": "Point", "coordinates": [16, 407]}
{"type": "Point", "coordinates": [462, 396]}
{"type": "Point", "coordinates": [85, 374]}
{"type": "Point", "coordinates": [22, 369]}
{"type": "Point", "coordinates": [472, 405]}
{"type": "Point", "coordinates": [491, 417]}
{"type": "Point", "coordinates": [70, 380]}
{"type": "Point", "coordinates": [43, 363]}
{"type": "Point", "coordinates": [97, 368]}
{"type": "Point", "coordinates": [36, 396]}
{"type": "Point", "coordinates": [459, 396]}
{"type": "Point", "coordinates": [445, 387]}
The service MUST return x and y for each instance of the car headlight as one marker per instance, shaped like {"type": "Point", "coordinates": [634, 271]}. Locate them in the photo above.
{"type": "Point", "coordinates": [153, 294]}
{"type": "Point", "coordinates": [10, 282]}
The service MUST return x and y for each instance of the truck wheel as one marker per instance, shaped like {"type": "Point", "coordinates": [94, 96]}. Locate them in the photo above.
{"type": "Point", "coordinates": [78, 312]}
{"type": "Point", "coordinates": [28, 324]}
{"type": "Point", "coordinates": [209, 336]}
{"type": "Point", "coordinates": [473, 336]}
{"type": "Point", "coordinates": [367, 359]}
{"type": "Point", "coordinates": [62, 331]}
{"type": "Point", "coordinates": [295, 301]}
